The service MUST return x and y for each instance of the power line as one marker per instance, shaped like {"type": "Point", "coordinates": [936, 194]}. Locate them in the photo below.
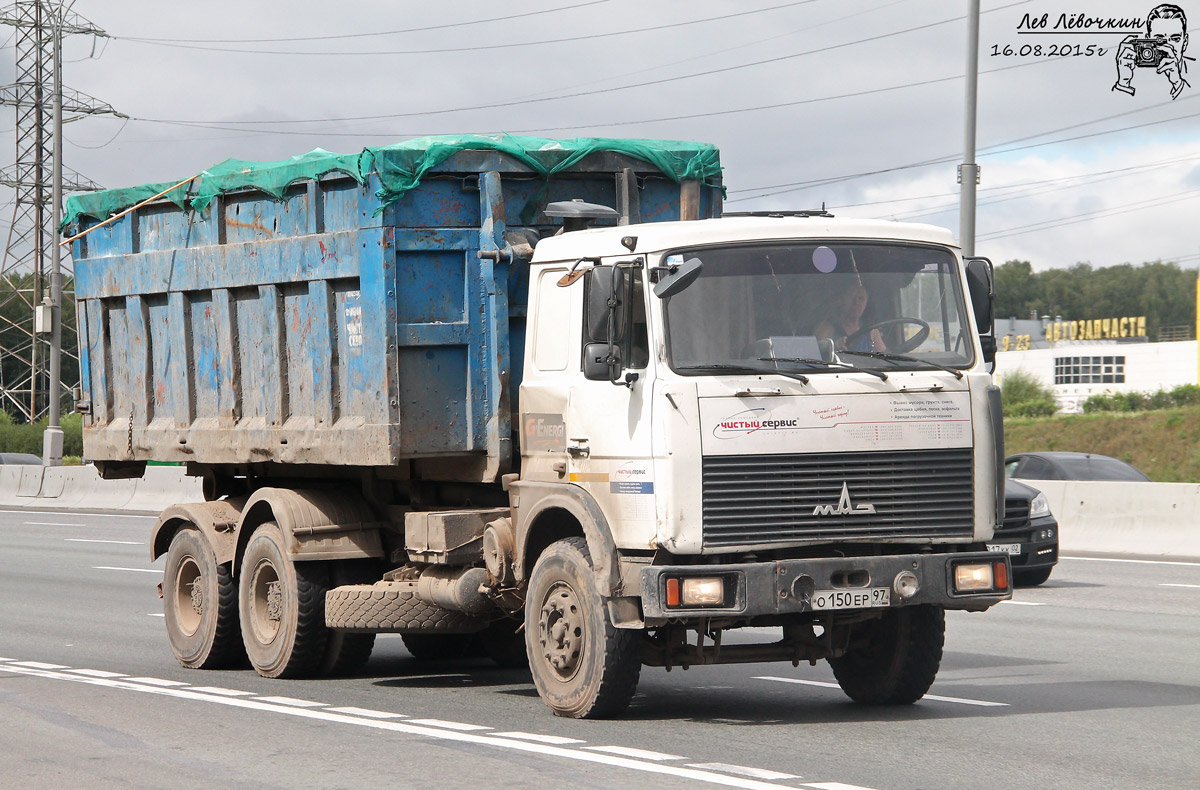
{"type": "Point", "coordinates": [173, 41]}
{"type": "Point", "coordinates": [662, 81]}
{"type": "Point", "coordinates": [1087, 216]}
{"type": "Point", "coordinates": [473, 48]}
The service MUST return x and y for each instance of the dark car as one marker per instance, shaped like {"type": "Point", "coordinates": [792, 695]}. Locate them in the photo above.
{"type": "Point", "coordinates": [19, 458]}
{"type": "Point", "coordinates": [1029, 535]}
{"type": "Point", "coordinates": [1070, 466]}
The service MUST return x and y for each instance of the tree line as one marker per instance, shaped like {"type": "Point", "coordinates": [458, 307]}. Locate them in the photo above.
{"type": "Point", "coordinates": [1163, 292]}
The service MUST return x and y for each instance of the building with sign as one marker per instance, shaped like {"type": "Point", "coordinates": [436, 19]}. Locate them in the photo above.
{"type": "Point", "coordinates": [1077, 359]}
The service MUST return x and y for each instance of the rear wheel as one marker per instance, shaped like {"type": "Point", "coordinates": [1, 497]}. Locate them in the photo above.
{"type": "Point", "coordinates": [894, 659]}
{"type": "Point", "coordinates": [1031, 578]}
{"type": "Point", "coordinates": [200, 604]}
{"type": "Point", "coordinates": [282, 606]}
{"type": "Point", "coordinates": [582, 665]}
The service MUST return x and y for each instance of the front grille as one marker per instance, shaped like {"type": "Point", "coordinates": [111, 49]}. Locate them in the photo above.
{"type": "Point", "coordinates": [1016, 519]}
{"type": "Point", "coordinates": [763, 500]}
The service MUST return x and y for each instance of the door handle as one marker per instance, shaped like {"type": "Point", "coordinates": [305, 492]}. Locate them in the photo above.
{"type": "Point", "coordinates": [581, 451]}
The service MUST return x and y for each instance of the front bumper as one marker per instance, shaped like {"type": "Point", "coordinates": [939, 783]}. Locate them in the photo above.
{"type": "Point", "coordinates": [784, 587]}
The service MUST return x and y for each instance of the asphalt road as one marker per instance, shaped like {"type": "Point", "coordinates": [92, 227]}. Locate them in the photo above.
{"type": "Point", "coordinates": [1091, 681]}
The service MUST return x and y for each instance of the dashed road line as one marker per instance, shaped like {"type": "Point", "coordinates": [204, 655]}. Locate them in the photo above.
{"type": "Point", "coordinates": [743, 770]}
{"type": "Point", "coordinates": [448, 725]}
{"type": "Point", "coordinates": [556, 740]}
{"type": "Point", "coordinates": [97, 673]}
{"type": "Point", "coordinates": [221, 691]}
{"type": "Point", "coordinates": [370, 714]}
{"type": "Point", "coordinates": [292, 702]}
{"type": "Point", "coordinates": [98, 540]}
{"type": "Point", "coordinates": [1136, 562]}
{"type": "Point", "coordinates": [133, 570]}
{"type": "Point", "coordinates": [411, 727]}
{"type": "Point", "coordinates": [640, 754]}
{"type": "Point", "coordinates": [1192, 586]}
{"type": "Point", "coordinates": [155, 614]}
{"type": "Point", "coordinates": [51, 524]}
{"type": "Point", "coordinates": [1023, 603]}
{"type": "Point", "coordinates": [823, 684]}
{"type": "Point", "coordinates": [167, 684]}
{"type": "Point", "coordinates": [76, 513]}
{"type": "Point", "coordinates": [38, 665]}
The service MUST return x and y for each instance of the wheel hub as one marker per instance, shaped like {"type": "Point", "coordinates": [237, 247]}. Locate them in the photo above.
{"type": "Point", "coordinates": [560, 627]}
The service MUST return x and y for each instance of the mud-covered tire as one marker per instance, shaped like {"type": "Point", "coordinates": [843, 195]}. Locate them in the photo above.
{"type": "Point", "coordinates": [392, 607]}
{"type": "Point", "coordinates": [282, 606]}
{"type": "Point", "coordinates": [200, 604]}
{"type": "Point", "coordinates": [893, 660]}
{"type": "Point", "coordinates": [347, 653]}
{"type": "Point", "coordinates": [1031, 578]}
{"type": "Point", "coordinates": [503, 641]}
{"type": "Point", "coordinates": [582, 666]}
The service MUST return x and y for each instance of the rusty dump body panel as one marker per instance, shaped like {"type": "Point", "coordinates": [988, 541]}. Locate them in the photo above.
{"type": "Point", "coordinates": [320, 329]}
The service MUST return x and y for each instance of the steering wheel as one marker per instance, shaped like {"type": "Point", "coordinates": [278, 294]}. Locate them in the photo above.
{"type": "Point", "coordinates": [902, 348]}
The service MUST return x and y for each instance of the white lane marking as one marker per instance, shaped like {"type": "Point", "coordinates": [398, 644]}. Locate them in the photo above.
{"type": "Point", "coordinates": [221, 692]}
{"type": "Point", "coordinates": [370, 714]}
{"type": "Point", "coordinates": [557, 740]}
{"type": "Point", "coordinates": [1023, 603]}
{"type": "Point", "coordinates": [1193, 586]}
{"type": "Point", "coordinates": [51, 524]}
{"type": "Point", "coordinates": [823, 684]}
{"type": "Point", "coordinates": [156, 614]}
{"type": "Point", "coordinates": [742, 770]}
{"type": "Point", "coordinates": [133, 570]}
{"type": "Point", "coordinates": [1136, 562]}
{"type": "Point", "coordinates": [97, 540]}
{"type": "Point", "coordinates": [449, 725]}
{"type": "Point", "coordinates": [292, 701]}
{"type": "Point", "coordinates": [835, 786]}
{"type": "Point", "coordinates": [167, 684]}
{"type": "Point", "coordinates": [38, 665]}
{"type": "Point", "coordinates": [7, 659]}
{"type": "Point", "coordinates": [98, 673]}
{"type": "Point", "coordinates": [407, 728]}
{"type": "Point", "coordinates": [75, 513]}
{"type": "Point", "coordinates": [640, 754]}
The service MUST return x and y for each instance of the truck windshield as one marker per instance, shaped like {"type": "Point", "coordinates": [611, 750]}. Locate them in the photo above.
{"type": "Point", "coordinates": [802, 306]}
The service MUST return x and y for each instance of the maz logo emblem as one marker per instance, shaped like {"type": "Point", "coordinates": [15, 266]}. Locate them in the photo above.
{"type": "Point", "coordinates": [843, 506]}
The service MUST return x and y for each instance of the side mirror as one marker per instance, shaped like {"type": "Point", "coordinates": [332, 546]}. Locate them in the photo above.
{"type": "Point", "coordinates": [605, 307]}
{"type": "Point", "coordinates": [674, 279]}
{"type": "Point", "coordinates": [979, 282]}
{"type": "Point", "coordinates": [602, 362]}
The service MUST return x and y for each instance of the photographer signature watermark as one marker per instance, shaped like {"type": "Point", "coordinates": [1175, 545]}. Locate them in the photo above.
{"type": "Point", "coordinates": [1153, 45]}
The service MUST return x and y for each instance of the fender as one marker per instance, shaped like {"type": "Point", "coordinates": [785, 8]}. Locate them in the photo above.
{"type": "Point", "coordinates": [216, 520]}
{"type": "Point", "coordinates": [316, 525]}
{"type": "Point", "coordinates": [530, 500]}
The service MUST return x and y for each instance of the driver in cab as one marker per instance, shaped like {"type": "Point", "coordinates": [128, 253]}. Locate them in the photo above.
{"type": "Point", "coordinates": [844, 325]}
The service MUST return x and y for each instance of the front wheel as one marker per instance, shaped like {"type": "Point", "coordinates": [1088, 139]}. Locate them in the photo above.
{"type": "Point", "coordinates": [582, 666]}
{"type": "Point", "coordinates": [200, 604]}
{"type": "Point", "coordinates": [894, 659]}
{"type": "Point", "coordinates": [282, 604]}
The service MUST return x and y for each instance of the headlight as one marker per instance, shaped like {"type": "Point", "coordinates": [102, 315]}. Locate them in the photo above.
{"type": "Point", "coordinates": [1040, 506]}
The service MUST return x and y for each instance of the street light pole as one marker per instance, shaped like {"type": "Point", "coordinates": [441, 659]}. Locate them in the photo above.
{"type": "Point", "coordinates": [968, 171]}
{"type": "Point", "coordinates": [52, 441]}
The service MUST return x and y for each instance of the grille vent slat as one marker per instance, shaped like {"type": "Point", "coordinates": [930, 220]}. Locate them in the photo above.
{"type": "Point", "coordinates": [769, 500]}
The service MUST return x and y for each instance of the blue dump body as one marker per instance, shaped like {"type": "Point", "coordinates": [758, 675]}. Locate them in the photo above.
{"type": "Point", "coordinates": [330, 325]}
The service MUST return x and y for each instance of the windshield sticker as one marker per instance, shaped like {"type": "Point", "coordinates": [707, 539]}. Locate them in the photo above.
{"type": "Point", "coordinates": [824, 260]}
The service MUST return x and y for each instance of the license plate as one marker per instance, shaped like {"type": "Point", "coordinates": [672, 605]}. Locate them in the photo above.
{"type": "Point", "coordinates": [852, 599]}
{"type": "Point", "coordinates": [1005, 548]}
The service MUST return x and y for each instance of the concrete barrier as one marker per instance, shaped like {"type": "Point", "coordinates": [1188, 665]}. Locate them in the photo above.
{"type": "Point", "coordinates": [1160, 519]}
{"type": "Point", "coordinates": [80, 487]}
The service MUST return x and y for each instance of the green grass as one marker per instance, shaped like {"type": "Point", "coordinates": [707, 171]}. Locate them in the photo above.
{"type": "Point", "coordinates": [1165, 443]}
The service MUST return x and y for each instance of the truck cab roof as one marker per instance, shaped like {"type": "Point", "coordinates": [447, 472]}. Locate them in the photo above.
{"type": "Point", "coordinates": [659, 236]}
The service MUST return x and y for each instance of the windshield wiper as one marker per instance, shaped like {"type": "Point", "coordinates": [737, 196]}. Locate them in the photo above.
{"type": "Point", "coordinates": [800, 377]}
{"type": "Point", "coordinates": [958, 374]}
{"type": "Point", "coordinates": [822, 363]}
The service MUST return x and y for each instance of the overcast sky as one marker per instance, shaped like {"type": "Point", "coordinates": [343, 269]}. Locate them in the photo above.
{"type": "Point", "coordinates": [824, 101]}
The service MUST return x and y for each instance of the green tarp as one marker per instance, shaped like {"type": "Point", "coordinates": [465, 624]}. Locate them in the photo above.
{"type": "Point", "coordinates": [400, 168]}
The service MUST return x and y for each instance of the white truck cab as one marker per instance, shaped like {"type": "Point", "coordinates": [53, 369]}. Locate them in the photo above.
{"type": "Point", "coordinates": [777, 420]}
